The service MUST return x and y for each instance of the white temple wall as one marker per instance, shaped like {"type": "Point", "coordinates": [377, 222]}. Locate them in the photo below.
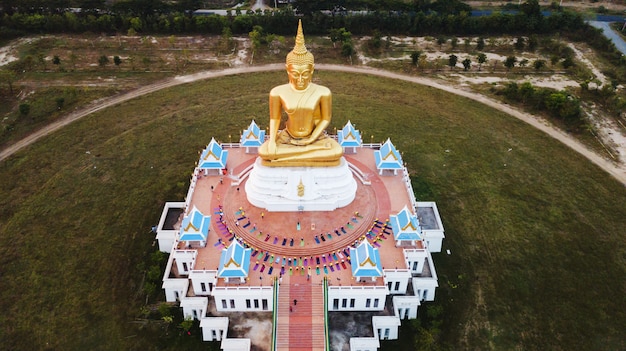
{"type": "Point", "coordinates": [203, 281]}
{"type": "Point", "coordinates": [385, 327]}
{"type": "Point", "coordinates": [241, 299]}
{"type": "Point", "coordinates": [433, 236]}
{"type": "Point", "coordinates": [166, 240]}
{"type": "Point", "coordinates": [424, 288]}
{"type": "Point", "coordinates": [175, 289]}
{"type": "Point", "coordinates": [236, 344]}
{"type": "Point", "coordinates": [356, 298]}
{"type": "Point", "coordinates": [433, 239]}
{"type": "Point", "coordinates": [194, 307]}
{"type": "Point", "coordinates": [364, 344]}
{"type": "Point", "coordinates": [405, 307]}
{"type": "Point", "coordinates": [397, 280]}
{"type": "Point", "coordinates": [184, 260]}
{"type": "Point", "coordinates": [214, 328]}
{"type": "Point", "coordinates": [415, 259]}
{"type": "Point", "coordinates": [167, 237]}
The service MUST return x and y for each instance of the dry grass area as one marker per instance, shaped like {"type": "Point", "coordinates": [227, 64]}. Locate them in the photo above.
{"type": "Point", "coordinates": [145, 59]}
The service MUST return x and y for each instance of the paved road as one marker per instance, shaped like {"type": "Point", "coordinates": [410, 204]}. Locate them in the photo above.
{"type": "Point", "coordinates": [618, 172]}
{"type": "Point", "coordinates": [610, 33]}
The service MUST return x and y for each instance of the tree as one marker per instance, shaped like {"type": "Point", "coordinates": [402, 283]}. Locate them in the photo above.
{"type": "Point", "coordinates": [186, 324]}
{"type": "Point", "coordinates": [103, 60]}
{"type": "Point", "coordinates": [117, 60]}
{"type": "Point", "coordinates": [56, 60]}
{"type": "Point", "coordinates": [256, 36]}
{"type": "Point", "coordinates": [376, 41]}
{"type": "Point", "coordinates": [41, 58]}
{"type": "Point", "coordinates": [467, 63]}
{"type": "Point", "coordinates": [347, 49]}
{"type": "Point", "coordinates": [510, 61]}
{"type": "Point", "coordinates": [520, 43]}
{"type": "Point", "coordinates": [482, 58]}
{"type": "Point", "coordinates": [567, 62]}
{"type": "Point", "coordinates": [441, 40]}
{"type": "Point", "coordinates": [227, 37]}
{"type": "Point", "coordinates": [452, 60]}
{"type": "Point", "coordinates": [336, 35]}
{"type": "Point", "coordinates": [60, 101]}
{"type": "Point", "coordinates": [24, 109]}
{"type": "Point", "coordinates": [539, 64]}
{"type": "Point", "coordinates": [480, 44]}
{"type": "Point", "coordinates": [454, 42]}
{"type": "Point", "coordinates": [9, 77]}
{"type": "Point", "coordinates": [523, 62]}
{"type": "Point", "coordinates": [415, 57]}
{"type": "Point", "coordinates": [532, 43]}
{"type": "Point", "coordinates": [73, 59]}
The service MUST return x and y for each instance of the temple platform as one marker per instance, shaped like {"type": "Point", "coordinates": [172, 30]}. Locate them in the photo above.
{"type": "Point", "coordinates": [276, 235]}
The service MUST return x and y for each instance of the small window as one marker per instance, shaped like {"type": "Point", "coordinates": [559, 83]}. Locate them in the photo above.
{"type": "Point", "coordinates": [232, 303]}
{"type": "Point", "coordinates": [344, 303]}
{"type": "Point", "coordinates": [248, 303]}
{"type": "Point", "coordinates": [368, 302]}
{"type": "Point", "coordinates": [415, 265]}
{"type": "Point", "coordinates": [335, 304]}
{"type": "Point", "coordinates": [224, 304]}
{"type": "Point", "coordinates": [203, 287]}
{"type": "Point", "coordinates": [185, 269]}
{"type": "Point", "coordinates": [351, 303]}
{"type": "Point", "coordinates": [265, 306]}
{"type": "Point", "coordinates": [256, 303]}
{"type": "Point", "coordinates": [375, 303]}
{"type": "Point", "coordinates": [397, 286]}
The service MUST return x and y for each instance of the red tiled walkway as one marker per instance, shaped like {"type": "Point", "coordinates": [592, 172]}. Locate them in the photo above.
{"type": "Point", "coordinates": [300, 316]}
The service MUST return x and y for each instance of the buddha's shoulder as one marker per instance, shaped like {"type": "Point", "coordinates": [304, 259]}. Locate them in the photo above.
{"type": "Point", "coordinates": [320, 89]}
{"type": "Point", "coordinates": [286, 89]}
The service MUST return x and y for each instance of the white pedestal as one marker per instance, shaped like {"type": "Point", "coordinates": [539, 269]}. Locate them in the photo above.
{"type": "Point", "coordinates": [292, 189]}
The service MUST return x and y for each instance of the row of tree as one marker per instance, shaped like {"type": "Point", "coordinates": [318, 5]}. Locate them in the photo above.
{"type": "Point", "coordinates": [282, 22]}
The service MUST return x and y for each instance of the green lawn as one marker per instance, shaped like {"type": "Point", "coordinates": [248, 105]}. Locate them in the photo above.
{"type": "Point", "coordinates": [536, 232]}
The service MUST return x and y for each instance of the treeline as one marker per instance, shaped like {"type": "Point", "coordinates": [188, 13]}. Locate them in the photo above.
{"type": "Point", "coordinates": [281, 22]}
{"type": "Point", "coordinates": [441, 17]}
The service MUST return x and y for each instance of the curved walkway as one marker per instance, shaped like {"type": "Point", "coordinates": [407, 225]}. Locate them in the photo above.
{"type": "Point", "coordinates": [618, 172]}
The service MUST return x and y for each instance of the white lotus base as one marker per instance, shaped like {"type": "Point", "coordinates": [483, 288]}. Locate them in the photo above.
{"type": "Point", "coordinates": [291, 189]}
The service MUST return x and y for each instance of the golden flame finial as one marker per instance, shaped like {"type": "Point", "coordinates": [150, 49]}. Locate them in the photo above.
{"type": "Point", "coordinates": [300, 55]}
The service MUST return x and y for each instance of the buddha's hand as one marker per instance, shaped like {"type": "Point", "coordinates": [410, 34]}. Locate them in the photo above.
{"type": "Point", "coordinates": [271, 147]}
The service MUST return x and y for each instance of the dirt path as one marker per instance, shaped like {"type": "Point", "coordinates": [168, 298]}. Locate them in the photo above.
{"type": "Point", "coordinates": [618, 172]}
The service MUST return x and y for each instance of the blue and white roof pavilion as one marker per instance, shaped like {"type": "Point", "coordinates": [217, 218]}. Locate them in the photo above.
{"type": "Point", "coordinates": [365, 261]}
{"type": "Point", "coordinates": [349, 137]}
{"type": "Point", "coordinates": [405, 226]}
{"type": "Point", "coordinates": [195, 227]}
{"type": "Point", "coordinates": [388, 158]}
{"type": "Point", "coordinates": [252, 137]}
{"type": "Point", "coordinates": [213, 157]}
{"type": "Point", "coordinates": [234, 261]}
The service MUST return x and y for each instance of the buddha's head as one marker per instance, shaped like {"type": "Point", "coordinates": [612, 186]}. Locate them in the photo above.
{"type": "Point", "coordinates": [300, 63]}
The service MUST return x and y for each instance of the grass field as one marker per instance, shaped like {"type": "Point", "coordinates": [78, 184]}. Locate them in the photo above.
{"type": "Point", "coordinates": [536, 233]}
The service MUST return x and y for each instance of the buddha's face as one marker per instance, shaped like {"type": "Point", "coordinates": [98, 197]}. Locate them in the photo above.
{"type": "Point", "coordinates": [300, 76]}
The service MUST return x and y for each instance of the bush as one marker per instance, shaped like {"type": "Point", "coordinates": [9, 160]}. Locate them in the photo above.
{"type": "Point", "coordinates": [24, 109]}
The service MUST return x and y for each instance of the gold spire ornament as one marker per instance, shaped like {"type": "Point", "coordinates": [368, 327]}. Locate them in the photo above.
{"type": "Point", "coordinates": [300, 55]}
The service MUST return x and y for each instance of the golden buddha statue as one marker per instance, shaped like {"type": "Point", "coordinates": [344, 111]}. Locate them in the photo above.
{"type": "Point", "coordinates": [308, 107]}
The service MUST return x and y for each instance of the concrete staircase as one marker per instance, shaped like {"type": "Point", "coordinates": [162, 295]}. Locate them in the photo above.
{"type": "Point", "coordinates": [300, 326]}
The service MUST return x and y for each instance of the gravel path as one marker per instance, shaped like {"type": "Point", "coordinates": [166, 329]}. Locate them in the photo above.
{"type": "Point", "coordinates": [617, 171]}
